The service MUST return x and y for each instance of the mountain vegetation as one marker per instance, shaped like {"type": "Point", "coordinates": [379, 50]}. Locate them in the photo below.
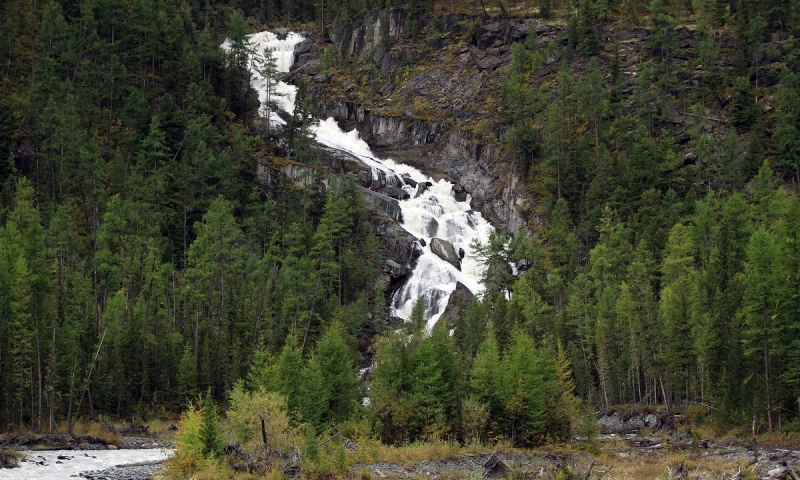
{"type": "Point", "coordinates": [152, 253]}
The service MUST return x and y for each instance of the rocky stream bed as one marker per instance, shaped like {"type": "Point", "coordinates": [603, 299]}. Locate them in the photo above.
{"type": "Point", "coordinates": [47, 457]}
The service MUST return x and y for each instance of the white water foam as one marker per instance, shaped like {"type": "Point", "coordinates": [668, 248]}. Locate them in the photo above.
{"type": "Point", "coordinates": [49, 467]}
{"type": "Point", "coordinates": [434, 213]}
{"type": "Point", "coordinates": [283, 53]}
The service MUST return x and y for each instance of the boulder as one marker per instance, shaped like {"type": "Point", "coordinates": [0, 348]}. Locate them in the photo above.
{"type": "Point", "coordinates": [408, 180]}
{"type": "Point", "coordinates": [620, 423]}
{"type": "Point", "coordinates": [396, 243]}
{"type": "Point", "coordinates": [459, 192]}
{"type": "Point", "coordinates": [303, 47]}
{"type": "Point", "coordinates": [380, 202]}
{"type": "Point", "coordinates": [456, 307]}
{"type": "Point", "coordinates": [444, 250]}
{"type": "Point", "coordinates": [8, 459]}
{"type": "Point", "coordinates": [395, 270]}
{"type": "Point", "coordinates": [394, 192]}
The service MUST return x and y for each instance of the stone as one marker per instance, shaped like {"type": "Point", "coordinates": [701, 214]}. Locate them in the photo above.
{"type": "Point", "coordinates": [650, 420]}
{"type": "Point", "coordinates": [394, 192]}
{"type": "Point", "coordinates": [456, 305]}
{"type": "Point", "coordinates": [111, 447]}
{"type": "Point", "coordinates": [396, 243]}
{"type": "Point", "coordinates": [322, 77]}
{"type": "Point", "coordinates": [444, 250]}
{"type": "Point", "coordinates": [395, 270]}
{"type": "Point", "coordinates": [490, 63]}
{"type": "Point", "coordinates": [615, 422]}
{"type": "Point", "coordinates": [522, 265]}
{"type": "Point", "coordinates": [459, 193]}
{"type": "Point", "coordinates": [281, 33]}
{"type": "Point", "coordinates": [408, 180]}
{"type": "Point", "coordinates": [303, 47]}
{"type": "Point", "coordinates": [383, 203]}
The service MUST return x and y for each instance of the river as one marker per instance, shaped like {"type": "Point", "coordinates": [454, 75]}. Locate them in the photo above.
{"type": "Point", "coordinates": [46, 465]}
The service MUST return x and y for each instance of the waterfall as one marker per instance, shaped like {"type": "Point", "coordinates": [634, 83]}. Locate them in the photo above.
{"type": "Point", "coordinates": [431, 212]}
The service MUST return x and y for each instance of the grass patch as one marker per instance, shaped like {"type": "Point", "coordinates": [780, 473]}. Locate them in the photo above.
{"type": "Point", "coordinates": [104, 432]}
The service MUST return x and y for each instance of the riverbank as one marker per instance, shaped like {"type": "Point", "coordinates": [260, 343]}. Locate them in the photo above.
{"type": "Point", "coordinates": [57, 456]}
{"type": "Point", "coordinates": [44, 442]}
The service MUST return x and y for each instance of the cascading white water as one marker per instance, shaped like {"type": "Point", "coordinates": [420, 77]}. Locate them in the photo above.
{"type": "Point", "coordinates": [283, 52]}
{"type": "Point", "coordinates": [434, 213]}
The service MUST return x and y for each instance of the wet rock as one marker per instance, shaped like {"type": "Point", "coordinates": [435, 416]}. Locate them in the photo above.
{"type": "Point", "coordinates": [408, 180]}
{"type": "Point", "coordinates": [394, 192]}
{"type": "Point", "coordinates": [444, 250]}
{"type": "Point", "coordinates": [396, 243]}
{"type": "Point", "coordinates": [459, 193]}
{"type": "Point", "coordinates": [522, 265]}
{"type": "Point", "coordinates": [395, 270]}
{"type": "Point", "coordinates": [8, 459]}
{"type": "Point", "coordinates": [421, 187]}
{"type": "Point", "coordinates": [457, 305]}
{"type": "Point", "coordinates": [281, 33]}
{"type": "Point", "coordinates": [303, 47]}
{"type": "Point", "coordinates": [383, 203]}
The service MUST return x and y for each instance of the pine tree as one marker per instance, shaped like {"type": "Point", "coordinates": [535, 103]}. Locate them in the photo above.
{"type": "Point", "coordinates": [268, 70]}
{"type": "Point", "coordinates": [332, 377]}
{"type": "Point", "coordinates": [187, 375]}
{"type": "Point", "coordinates": [209, 428]}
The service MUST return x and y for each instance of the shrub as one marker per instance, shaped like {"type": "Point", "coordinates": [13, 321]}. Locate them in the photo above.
{"type": "Point", "coordinates": [474, 416]}
{"type": "Point", "coordinates": [188, 456]}
{"type": "Point", "coordinates": [247, 409]}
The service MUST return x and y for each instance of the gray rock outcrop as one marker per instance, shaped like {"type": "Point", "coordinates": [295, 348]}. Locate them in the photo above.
{"type": "Point", "coordinates": [444, 250]}
{"type": "Point", "coordinates": [457, 305]}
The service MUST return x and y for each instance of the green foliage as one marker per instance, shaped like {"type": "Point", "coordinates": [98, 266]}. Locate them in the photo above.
{"type": "Point", "coordinates": [187, 375]}
{"type": "Point", "coordinates": [330, 392]}
{"type": "Point", "coordinates": [209, 434]}
{"type": "Point", "coordinates": [188, 444]}
{"type": "Point", "coordinates": [246, 413]}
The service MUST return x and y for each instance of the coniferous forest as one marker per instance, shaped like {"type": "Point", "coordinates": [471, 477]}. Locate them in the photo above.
{"type": "Point", "coordinates": [152, 254]}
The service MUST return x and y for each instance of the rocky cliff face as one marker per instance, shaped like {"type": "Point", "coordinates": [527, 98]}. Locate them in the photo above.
{"type": "Point", "coordinates": [430, 103]}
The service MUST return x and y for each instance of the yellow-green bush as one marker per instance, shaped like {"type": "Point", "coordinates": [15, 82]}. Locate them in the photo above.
{"type": "Point", "coordinates": [188, 456]}
{"type": "Point", "coordinates": [245, 414]}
